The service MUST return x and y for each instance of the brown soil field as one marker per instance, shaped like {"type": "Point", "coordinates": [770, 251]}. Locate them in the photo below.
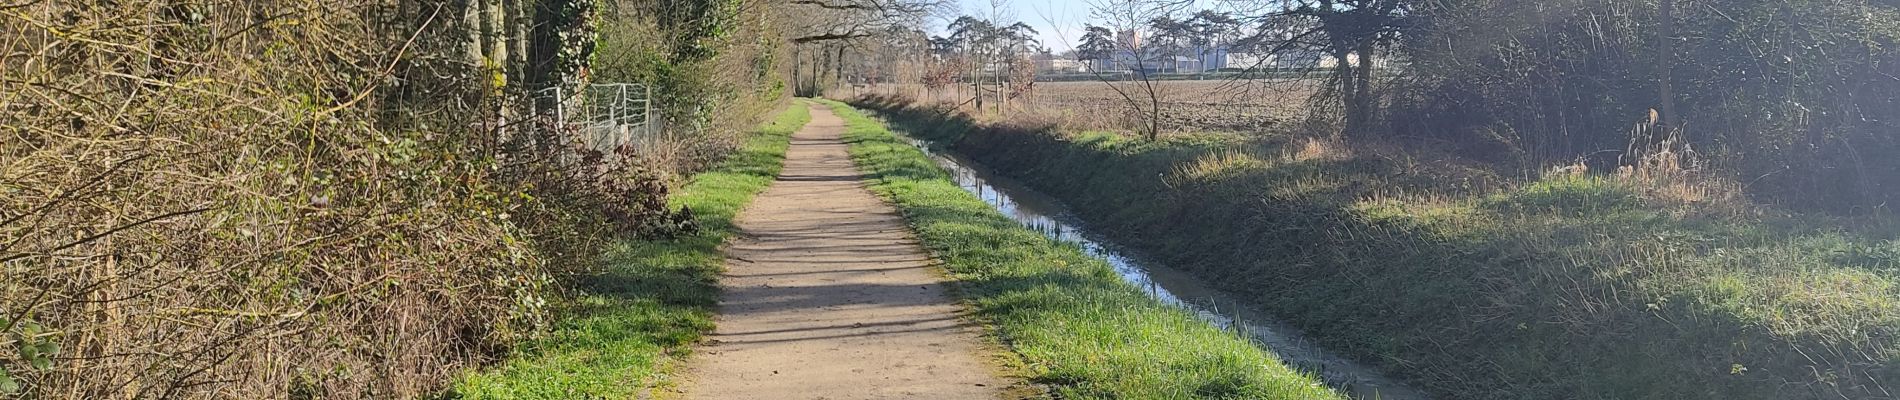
{"type": "Point", "coordinates": [1186, 106]}
{"type": "Point", "coordinates": [1244, 106]}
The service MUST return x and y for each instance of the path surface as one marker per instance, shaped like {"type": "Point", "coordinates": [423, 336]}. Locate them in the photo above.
{"type": "Point", "coordinates": [828, 297]}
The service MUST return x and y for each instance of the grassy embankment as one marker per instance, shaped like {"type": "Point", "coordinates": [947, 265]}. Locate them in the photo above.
{"type": "Point", "coordinates": [1078, 327]}
{"type": "Point", "coordinates": [653, 300]}
{"type": "Point", "coordinates": [1569, 286]}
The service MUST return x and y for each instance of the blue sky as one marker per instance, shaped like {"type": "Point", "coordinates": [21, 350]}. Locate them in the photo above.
{"type": "Point", "coordinates": [1068, 16]}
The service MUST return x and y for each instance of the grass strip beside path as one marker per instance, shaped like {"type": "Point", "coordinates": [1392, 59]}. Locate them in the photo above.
{"type": "Point", "coordinates": [1570, 285]}
{"type": "Point", "coordinates": [1078, 326]}
{"type": "Point", "coordinates": [654, 299]}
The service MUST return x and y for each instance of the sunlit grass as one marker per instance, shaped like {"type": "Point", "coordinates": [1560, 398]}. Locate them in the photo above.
{"type": "Point", "coordinates": [1078, 327]}
{"type": "Point", "coordinates": [1214, 166]}
{"type": "Point", "coordinates": [1572, 284]}
{"type": "Point", "coordinates": [621, 333]}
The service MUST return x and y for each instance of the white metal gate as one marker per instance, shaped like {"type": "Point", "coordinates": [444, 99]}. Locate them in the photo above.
{"type": "Point", "coordinates": [607, 115]}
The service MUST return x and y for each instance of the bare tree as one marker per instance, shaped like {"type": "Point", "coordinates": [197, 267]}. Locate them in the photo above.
{"type": "Point", "coordinates": [1128, 18]}
{"type": "Point", "coordinates": [834, 26]}
{"type": "Point", "coordinates": [1353, 33]}
{"type": "Point", "coordinates": [851, 19]}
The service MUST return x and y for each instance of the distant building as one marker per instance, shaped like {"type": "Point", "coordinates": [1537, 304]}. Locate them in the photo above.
{"type": "Point", "coordinates": [1297, 59]}
{"type": "Point", "coordinates": [1128, 39]}
{"type": "Point", "coordinates": [1055, 65]}
{"type": "Point", "coordinates": [1203, 59]}
{"type": "Point", "coordinates": [1191, 61]}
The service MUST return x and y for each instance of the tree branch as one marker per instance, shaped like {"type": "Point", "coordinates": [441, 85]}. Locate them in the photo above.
{"type": "Point", "coordinates": [830, 6]}
{"type": "Point", "coordinates": [829, 36]}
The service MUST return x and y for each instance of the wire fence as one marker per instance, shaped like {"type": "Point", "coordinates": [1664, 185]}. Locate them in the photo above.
{"type": "Point", "coordinates": [606, 115]}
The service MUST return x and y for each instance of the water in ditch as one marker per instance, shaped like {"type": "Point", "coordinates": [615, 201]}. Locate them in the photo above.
{"type": "Point", "coordinates": [1042, 213]}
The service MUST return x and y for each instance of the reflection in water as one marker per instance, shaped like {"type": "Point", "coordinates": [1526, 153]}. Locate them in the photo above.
{"type": "Point", "coordinates": [1039, 212]}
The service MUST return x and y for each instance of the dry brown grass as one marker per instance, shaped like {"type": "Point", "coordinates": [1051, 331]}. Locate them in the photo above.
{"type": "Point", "coordinates": [1669, 174]}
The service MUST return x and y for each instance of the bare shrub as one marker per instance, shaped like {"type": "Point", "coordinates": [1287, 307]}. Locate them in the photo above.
{"type": "Point", "coordinates": [258, 199]}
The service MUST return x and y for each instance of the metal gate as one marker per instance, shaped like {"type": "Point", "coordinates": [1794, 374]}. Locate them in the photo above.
{"type": "Point", "coordinates": [606, 115]}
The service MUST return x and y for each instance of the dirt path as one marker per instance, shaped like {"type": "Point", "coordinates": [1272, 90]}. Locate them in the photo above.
{"type": "Point", "coordinates": [828, 297]}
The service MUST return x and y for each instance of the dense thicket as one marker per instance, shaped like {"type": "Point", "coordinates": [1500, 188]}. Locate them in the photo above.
{"type": "Point", "coordinates": [334, 199]}
{"type": "Point", "coordinates": [1795, 99]}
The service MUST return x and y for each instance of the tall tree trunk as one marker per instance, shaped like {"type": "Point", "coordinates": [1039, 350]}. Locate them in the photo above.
{"type": "Point", "coordinates": [544, 30]}
{"type": "Point", "coordinates": [976, 81]}
{"type": "Point", "coordinates": [1665, 54]}
{"type": "Point", "coordinates": [491, 35]}
{"type": "Point", "coordinates": [809, 66]}
{"type": "Point", "coordinates": [517, 43]}
{"type": "Point", "coordinates": [1154, 112]}
{"type": "Point", "coordinates": [472, 19]}
{"type": "Point", "coordinates": [1200, 68]}
{"type": "Point", "coordinates": [798, 84]}
{"type": "Point", "coordinates": [1002, 79]}
{"type": "Point", "coordinates": [1348, 86]}
{"type": "Point", "coordinates": [540, 31]}
{"type": "Point", "coordinates": [1365, 102]}
{"type": "Point", "coordinates": [827, 71]}
{"type": "Point", "coordinates": [837, 67]}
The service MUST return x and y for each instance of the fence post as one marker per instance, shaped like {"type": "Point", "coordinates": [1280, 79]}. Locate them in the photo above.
{"type": "Point", "coordinates": [647, 102]}
{"type": "Point", "coordinates": [626, 131]}
{"type": "Point", "coordinates": [626, 118]}
{"type": "Point", "coordinates": [560, 107]}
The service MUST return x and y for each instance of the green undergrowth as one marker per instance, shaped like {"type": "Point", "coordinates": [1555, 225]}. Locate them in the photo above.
{"type": "Point", "coordinates": [621, 332]}
{"type": "Point", "coordinates": [1573, 285]}
{"type": "Point", "coordinates": [1079, 328]}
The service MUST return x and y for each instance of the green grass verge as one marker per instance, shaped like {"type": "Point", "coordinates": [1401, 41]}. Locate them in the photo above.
{"type": "Point", "coordinates": [1077, 325]}
{"type": "Point", "coordinates": [1568, 286]}
{"type": "Point", "coordinates": [615, 338]}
